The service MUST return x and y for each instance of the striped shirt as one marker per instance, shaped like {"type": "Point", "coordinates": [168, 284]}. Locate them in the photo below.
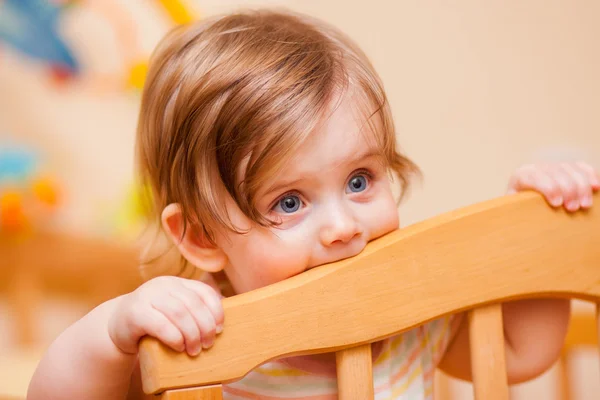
{"type": "Point", "coordinates": [404, 369]}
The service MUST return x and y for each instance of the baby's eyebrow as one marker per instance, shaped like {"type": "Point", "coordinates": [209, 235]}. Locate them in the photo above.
{"type": "Point", "coordinates": [371, 153]}
{"type": "Point", "coordinates": [278, 187]}
{"type": "Point", "coordinates": [351, 161]}
{"type": "Point", "coordinates": [366, 155]}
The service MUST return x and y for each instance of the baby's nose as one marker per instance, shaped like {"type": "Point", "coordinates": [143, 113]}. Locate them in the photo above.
{"type": "Point", "coordinates": [340, 229]}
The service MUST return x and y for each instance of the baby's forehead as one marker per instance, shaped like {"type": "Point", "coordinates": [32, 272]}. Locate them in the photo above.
{"type": "Point", "coordinates": [332, 155]}
{"type": "Point", "coordinates": [349, 131]}
{"type": "Point", "coordinates": [343, 137]}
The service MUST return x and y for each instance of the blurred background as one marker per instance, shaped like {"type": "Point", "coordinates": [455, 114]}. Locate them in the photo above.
{"type": "Point", "coordinates": [477, 88]}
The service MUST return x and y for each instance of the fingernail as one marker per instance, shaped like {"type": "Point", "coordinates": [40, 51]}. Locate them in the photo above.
{"type": "Point", "coordinates": [556, 201]}
{"type": "Point", "coordinates": [573, 205]}
{"type": "Point", "coordinates": [195, 351]}
{"type": "Point", "coordinates": [219, 329]}
{"type": "Point", "coordinates": [207, 344]}
{"type": "Point", "coordinates": [586, 201]}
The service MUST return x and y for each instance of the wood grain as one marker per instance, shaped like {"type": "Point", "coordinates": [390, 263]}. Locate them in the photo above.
{"type": "Point", "coordinates": [355, 373]}
{"type": "Point", "coordinates": [488, 361]}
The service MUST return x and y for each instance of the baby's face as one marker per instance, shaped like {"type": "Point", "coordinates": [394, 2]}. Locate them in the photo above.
{"type": "Point", "coordinates": [331, 198]}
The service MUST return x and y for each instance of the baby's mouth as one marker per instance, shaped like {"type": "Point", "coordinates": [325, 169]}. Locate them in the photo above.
{"type": "Point", "coordinates": [343, 251]}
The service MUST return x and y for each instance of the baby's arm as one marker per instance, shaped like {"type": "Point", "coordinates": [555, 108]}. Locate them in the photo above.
{"type": "Point", "coordinates": [535, 329]}
{"type": "Point", "coordinates": [534, 332]}
{"type": "Point", "coordinates": [83, 362]}
{"type": "Point", "coordinates": [96, 357]}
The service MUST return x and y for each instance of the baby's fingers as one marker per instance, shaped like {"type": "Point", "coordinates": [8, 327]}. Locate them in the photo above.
{"type": "Point", "coordinates": [201, 313]}
{"type": "Point", "coordinates": [573, 177]}
{"type": "Point", "coordinates": [591, 173]}
{"type": "Point", "coordinates": [532, 177]}
{"type": "Point", "coordinates": [211, 300]}
{"type": "Point", "coordinates": [153, 323]}
{"type": "Point", "coordinates": [179, 316]}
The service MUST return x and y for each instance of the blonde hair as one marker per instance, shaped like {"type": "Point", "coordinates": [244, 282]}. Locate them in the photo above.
{"type": "Point", "coordinates": [249, 88]}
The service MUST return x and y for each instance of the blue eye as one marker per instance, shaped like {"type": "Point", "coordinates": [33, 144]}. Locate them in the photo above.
{"type": "Point", "coordinates": [357, 184]}
{"type": "Point", "coordinates": [290, 204]}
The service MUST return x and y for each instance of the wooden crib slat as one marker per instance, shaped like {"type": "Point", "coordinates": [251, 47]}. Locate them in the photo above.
{"type": "Point", "coordinates": [563, 383]}
{"type": "Point", "coordinates": [488, 361]}
{"type": "Point", "coordinates": [355, 373]}
{"type": "Point", "coordinates": [205, 393]}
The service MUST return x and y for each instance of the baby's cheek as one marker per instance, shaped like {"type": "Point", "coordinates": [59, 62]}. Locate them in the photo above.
{"type": "Point", "coordinates": [277, 262]}
{"type": "Point", "coordinates": [383, 217]}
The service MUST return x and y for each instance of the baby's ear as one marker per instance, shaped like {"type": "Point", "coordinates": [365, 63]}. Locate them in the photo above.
{"type": "Point", "coordinates": [193, 243]}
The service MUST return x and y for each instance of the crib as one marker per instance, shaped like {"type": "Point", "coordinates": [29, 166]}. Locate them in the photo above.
{"type": "Point", "coordinates": [513, 247]}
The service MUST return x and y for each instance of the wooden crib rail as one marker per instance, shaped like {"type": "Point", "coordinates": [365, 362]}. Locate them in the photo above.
{"type": "Point", "coordinates": [507, 248]}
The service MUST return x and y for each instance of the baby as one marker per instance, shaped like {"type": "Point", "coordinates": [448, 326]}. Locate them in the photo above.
{"type": "Point", "coordinates": [269, 145]}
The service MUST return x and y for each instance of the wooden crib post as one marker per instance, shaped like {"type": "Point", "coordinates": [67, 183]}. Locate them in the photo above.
{"type": "Point", "coordinates": [355, 373]}
{"type": "Point", "coordinates": [563, 383]}
{"type": "Point", "coordinates": [488, 361]}
{"type": "Point", "coordinates": [598, 323]}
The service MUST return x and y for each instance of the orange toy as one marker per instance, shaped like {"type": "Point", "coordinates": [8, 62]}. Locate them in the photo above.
{"type": "Point", "coordinates": [27, 198]}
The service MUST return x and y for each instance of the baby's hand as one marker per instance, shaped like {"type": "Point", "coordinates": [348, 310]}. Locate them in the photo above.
{"type": "Point", "coordinates": [568, 184]}
{"type": "Point", "coordinates": [181, 313]}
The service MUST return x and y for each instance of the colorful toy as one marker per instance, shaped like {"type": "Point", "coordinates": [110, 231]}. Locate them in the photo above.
{"type": "Point", "coordinates": [177, 11]}
{"type": "Point", "coordinates": [27, 197]}
{"type": "Point", "coordinates": [31, 27]}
